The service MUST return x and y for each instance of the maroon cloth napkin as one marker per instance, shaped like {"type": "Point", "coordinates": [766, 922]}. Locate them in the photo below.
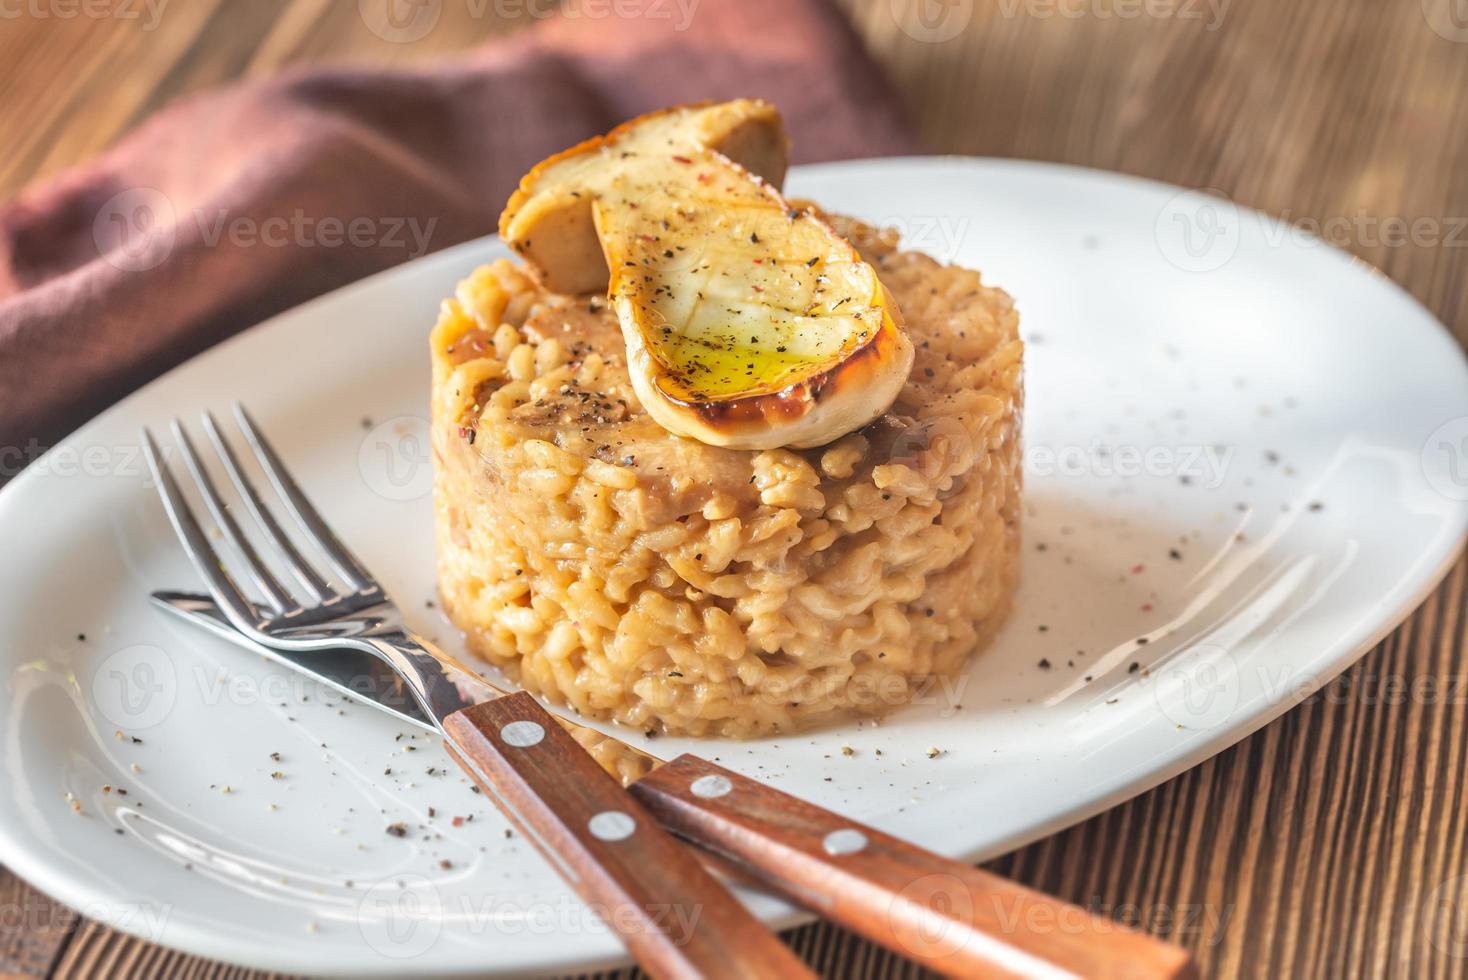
{"type": "Point", "coordinates": [236, 204]}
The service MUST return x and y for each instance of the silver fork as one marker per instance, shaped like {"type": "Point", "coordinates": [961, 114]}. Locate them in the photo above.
{"type": "Point", "coordinates": [589, 828]}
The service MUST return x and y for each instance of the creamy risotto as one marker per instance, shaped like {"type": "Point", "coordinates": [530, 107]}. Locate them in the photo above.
{"type": "Point", "coordinates": [676, 586]}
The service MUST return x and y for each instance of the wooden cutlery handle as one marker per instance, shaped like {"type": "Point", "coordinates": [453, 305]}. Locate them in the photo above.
{"type": "Point", "coordinates": [949, 916]}
{"type": "Point", "coordinates": [677, 920]}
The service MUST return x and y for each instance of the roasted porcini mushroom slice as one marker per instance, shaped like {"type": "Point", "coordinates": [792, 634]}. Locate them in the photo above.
{"type": "Point", "coordinates": [548, 219]}
{"type": "Point", "coordinates": [749, 323]}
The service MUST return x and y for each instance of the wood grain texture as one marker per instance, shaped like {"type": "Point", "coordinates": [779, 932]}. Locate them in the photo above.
{"type": "Point", "coordinates": [1331, 843]}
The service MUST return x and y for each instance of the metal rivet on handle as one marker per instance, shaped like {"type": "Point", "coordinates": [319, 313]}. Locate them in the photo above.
{"type": "Point", "coordinates": [612, 825]}
{"type": "Point", "coordinates": [711, 787]}
{"type": "Point", "coordinates": [522, 734]}
{"type": "Point", "coordinates": [845, 841]}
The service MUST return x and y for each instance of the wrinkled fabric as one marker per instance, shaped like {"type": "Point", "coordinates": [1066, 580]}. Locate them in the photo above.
{"type": "Point", "coordinates": [232, 205]}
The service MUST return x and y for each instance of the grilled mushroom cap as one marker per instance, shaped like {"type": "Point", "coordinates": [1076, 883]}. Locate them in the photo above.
{"type": "Point", "coordinates": [548, 219]}
{"type": "Point", "coordinates": [748, 323]}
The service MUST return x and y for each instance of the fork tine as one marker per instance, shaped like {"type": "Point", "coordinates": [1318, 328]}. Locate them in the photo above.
{"type": "Point", "coordinates": [319, 588]}
{"type": "Point", "coordinates": [345, 563]}
{"type": "Point", "coordinates": [196, 545]}
{"type": "Point", "coordinates": [276, 597]}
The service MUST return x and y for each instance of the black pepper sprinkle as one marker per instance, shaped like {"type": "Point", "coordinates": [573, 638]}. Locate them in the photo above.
{"type": "Point", "coordinates": [398, 829]}
{"type": "Point", "coordinates": [1044, 664]}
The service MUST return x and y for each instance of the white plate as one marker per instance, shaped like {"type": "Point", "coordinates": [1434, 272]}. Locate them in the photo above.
{"type": "Point", "coordinates": [1164, 327]}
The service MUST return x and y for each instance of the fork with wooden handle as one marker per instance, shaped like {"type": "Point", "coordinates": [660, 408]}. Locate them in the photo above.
{"type": "Point", "coordinates": [588, 827]}
{"type": "Point", "coordinates": [951, 917]}
{"type": "Point", "coordinates": [947, 915]}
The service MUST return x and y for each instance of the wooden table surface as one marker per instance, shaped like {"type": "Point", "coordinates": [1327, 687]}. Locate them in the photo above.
{"type": "Point", "coordinates": [1331, 843]}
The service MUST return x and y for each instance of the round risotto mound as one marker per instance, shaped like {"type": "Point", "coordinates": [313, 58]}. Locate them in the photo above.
{"type": "Point", "coordinates": [680, 587]}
